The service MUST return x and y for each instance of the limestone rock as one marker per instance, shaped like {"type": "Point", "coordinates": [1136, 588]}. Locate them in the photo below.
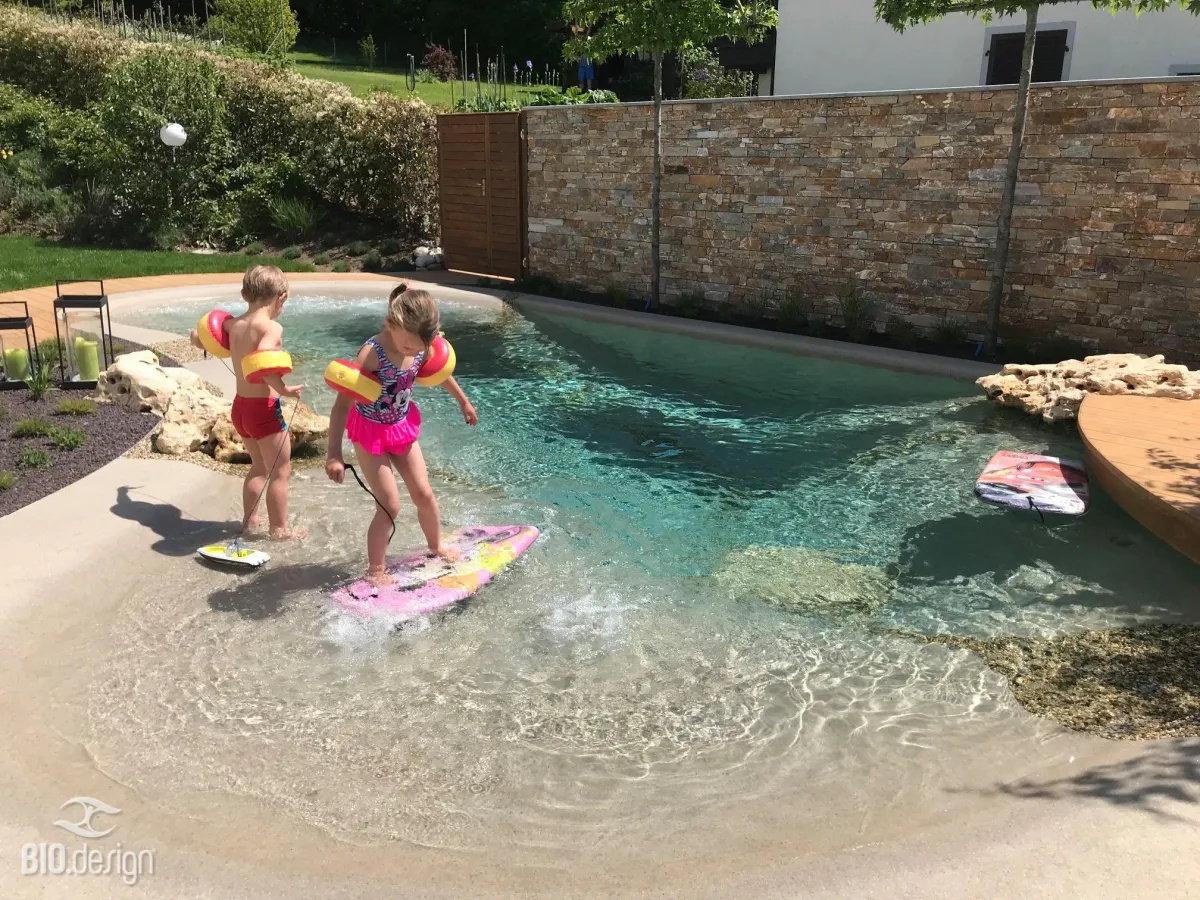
{"type": "Point", "coordinates": [805, 580]}
{"type": "Point", "coordinates": [187, 426]}
{"type": "Point", "coordinates": [1055, 391]}
{"type": "Point", "coordinates": [307, 428]}
{"type": "Point", "coordinates": [137, 381]}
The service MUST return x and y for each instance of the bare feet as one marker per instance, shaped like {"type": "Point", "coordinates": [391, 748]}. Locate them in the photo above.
{"type": "Point", "coordinates": [251, 527]}
{"type": "Point", "coordinates": [448, 553]}
{"type": "Point", "coordinates": [378, 576]}
{"type": "Point", "coordinates": [288, 534]}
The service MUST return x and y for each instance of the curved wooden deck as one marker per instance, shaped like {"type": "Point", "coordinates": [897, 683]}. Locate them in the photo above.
{"type": "Point", "coordinates": [1145, 451]}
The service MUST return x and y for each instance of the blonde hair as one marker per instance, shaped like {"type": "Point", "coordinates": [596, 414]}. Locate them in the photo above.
{"type": "Point", "coordinates": [263, 284]}
{"type": "Point", "coordinates": [415, 311]}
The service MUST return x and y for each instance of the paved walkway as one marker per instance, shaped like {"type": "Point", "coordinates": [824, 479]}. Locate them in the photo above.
{"type": "Point", "coordinates": [41, 299]}
{"type": "Point", "coordinates": [1145, 451]}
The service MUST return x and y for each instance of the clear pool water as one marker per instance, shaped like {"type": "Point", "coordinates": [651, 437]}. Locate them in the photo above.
{"type": "Point", "coordinates": [730, 538]}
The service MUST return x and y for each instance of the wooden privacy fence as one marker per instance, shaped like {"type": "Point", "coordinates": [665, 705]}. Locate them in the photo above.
{"type": "Point", "coordinates": [481, 191]}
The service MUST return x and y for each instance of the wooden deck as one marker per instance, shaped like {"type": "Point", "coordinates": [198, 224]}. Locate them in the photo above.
{"type": "Point", "coordinates": [1145, 451]}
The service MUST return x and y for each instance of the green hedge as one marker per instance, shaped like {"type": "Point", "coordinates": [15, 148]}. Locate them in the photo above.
{"type": "Point", "coordinates": [89, 106]}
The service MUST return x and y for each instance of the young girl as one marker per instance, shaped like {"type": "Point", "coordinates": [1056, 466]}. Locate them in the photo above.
{"type": "Point", "coordinates": [385, 432]}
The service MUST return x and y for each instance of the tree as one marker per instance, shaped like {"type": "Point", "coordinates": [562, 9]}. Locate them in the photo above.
{"type": "Point", "coordinates": [903, 14]}
{"type": "Point", "coordinates": [260, 26]}
{"type": "Point", "coordinates": [606, 28]}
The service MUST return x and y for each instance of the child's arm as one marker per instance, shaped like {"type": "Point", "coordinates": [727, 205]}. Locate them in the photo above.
{"type": "Point", "coordinates": [272, 339]}
{"type": "Point", "coordinates": [468, 411]}
{"type": "Point", "coordinates": [335, 465]}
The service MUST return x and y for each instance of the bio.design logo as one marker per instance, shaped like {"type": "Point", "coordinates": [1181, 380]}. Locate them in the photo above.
{"type": "Point", "coordinates": [53, 858]}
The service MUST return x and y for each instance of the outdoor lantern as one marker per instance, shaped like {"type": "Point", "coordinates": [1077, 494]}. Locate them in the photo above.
{"type": "Point", "coordinates": [85, 347]}
{"type": "Point", "coordinates": [173, 135]}
{"type": "Point", "coordinates": [16, 361]}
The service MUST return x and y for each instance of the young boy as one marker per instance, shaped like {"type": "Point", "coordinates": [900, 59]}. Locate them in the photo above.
{"type": "Point", "coordinates": [257, 413]}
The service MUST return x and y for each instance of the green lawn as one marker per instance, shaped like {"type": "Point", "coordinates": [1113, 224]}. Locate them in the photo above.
{"type": "Point", "coordinates": [27, 262]}
{"type": "Point", "coordinates": [363, 81]}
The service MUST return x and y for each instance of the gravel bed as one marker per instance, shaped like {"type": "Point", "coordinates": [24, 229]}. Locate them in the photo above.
{"type": "Point", "coordinates": [1139, 683]}
{"type": "Point", "coordinates": [110, 430]}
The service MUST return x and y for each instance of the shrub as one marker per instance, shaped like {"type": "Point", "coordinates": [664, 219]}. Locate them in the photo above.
{"type": "Point", "coordinates": [552, 96]}
{"type": "Point", "coordinates": [254, 249]}
{"type": "Point", "coordinates": [440, 62]}
{"type": "Point", "coordinates": [690, 305]}
{"type": "Point", "coordinates": [7, 480]}
{"type": "Point", "coordinates": [341, 266]}
{"type": "Point", "coordinates": [158, 191]}
{"type": "Point", "coordinates": [791, 311]}
{"type": "Point", "coordinates": [321, 259]}
{"type": "Point", "coordinates": [40, 380]}
{"type": "Point", "coordinates": [481, 103]}
{"type": "Point", "coordinates": [424, 76]}
{"type": "Point", "coordinates": [367, 50]}
{"type": "Point", "coordinates": [618, 297]}
{"type": "Point", "coordinates": [32, 428]}
{"type": "Point", "coordinates": [29, 458]}
{"type": "Point", "coordinates": [69, 438]}
{"type": "Point", "coordinates": [372, 262]}
{"type": "Point", "coordinates": [268, 27]}
{"type": "Point", "coordinates": [704, 76]}
{"type": "Point", "coordinates": [75, 406]}
{"type": "Point", "coordinates": [949, 332]}
{"type": "Point", "coordinates": [256, 132]}
{"type": "Point", "coordinates": [358, 248]}
{"type": "Point", "coordinates": [293, 217]}
{"type": "Point", "coordinates": [292, 252]}
{"type": "Point", "coordinates": [902, 332]}
{"type": "Point", "coordinates": [390, 247]}
{"type": "Point", "coordinates": [857, 315]}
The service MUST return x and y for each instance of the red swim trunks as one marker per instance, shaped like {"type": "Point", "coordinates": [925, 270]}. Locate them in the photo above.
{"type": "Point", "coordinates": [257, 417]}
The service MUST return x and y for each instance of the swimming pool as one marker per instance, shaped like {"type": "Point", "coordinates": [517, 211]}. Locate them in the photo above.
{"type": "Point", "coordinates": [731, 540]}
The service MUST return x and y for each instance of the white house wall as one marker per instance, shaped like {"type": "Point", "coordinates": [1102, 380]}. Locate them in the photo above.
{"type": "Point", "coordinates": [833, 47]}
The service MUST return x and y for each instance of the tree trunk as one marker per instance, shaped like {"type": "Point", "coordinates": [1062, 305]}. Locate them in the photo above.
{"type": "Point", "coordinates": [656, 184]}
{"type": "Point", "coordinates": [1004, 223]}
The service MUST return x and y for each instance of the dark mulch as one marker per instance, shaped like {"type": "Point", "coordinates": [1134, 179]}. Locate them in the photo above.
{"type": "Point", "coordinates": [111, 430]}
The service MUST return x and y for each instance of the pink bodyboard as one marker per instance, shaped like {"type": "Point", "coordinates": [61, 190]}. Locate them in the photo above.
{"type": "Point", "coordinates": [1028, 481]}
{"type": "Point", "coordinates": [425, 584]}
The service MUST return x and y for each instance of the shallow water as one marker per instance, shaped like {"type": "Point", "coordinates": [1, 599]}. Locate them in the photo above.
{"type": "Point", "coordinates": [729, 537]}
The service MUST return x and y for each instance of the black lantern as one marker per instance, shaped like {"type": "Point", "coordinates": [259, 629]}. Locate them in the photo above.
{"type": "Point", "coordinates": [16, 362]}
{"type": "Point", "coordinates": [85, 349]}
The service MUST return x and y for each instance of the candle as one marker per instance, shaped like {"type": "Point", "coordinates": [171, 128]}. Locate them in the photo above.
{"type": "Point", "coordinates": [16, 363]}
{"type": "Point", "coordinates": [87, 359]}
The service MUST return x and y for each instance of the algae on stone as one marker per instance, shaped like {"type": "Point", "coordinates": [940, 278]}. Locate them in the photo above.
{"type": "Point", "coordinates": [801, 579]}
{"type": "Point", "coordinates": [1128, 683]}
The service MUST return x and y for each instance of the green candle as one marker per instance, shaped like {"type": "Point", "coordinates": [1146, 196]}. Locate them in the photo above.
{"type": "Point", "coordinates": [87, 359]}
{"type": "Point", "coordinates": [16, 363]}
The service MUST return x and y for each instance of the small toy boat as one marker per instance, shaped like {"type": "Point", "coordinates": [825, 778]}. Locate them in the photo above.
{"type": "Point", "coordinates": [235, 553]}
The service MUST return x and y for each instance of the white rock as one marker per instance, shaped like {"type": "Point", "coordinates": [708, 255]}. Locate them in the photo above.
{"type": "Point", "coordinates": [137, 381]}
{"type": "Point", "coordinates": [189, 420]}
{"type": "Point", "coordinates": [425, 260]}
{"type": "Point", "coordinates": [1055, 391]}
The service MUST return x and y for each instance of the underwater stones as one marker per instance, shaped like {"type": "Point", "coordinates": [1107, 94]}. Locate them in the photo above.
{"type": "Point", "coordinates": [1054, 391]}
{"type": "Point", "coordinates": [139, 382]}
{"type": "Point", "coordinates": [801, 579]}
{"type": "Point", "coordinates": [1139, 683]}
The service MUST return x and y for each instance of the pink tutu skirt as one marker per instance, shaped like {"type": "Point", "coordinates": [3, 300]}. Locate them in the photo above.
{"type": "Point", "coordinates": [379, 439]}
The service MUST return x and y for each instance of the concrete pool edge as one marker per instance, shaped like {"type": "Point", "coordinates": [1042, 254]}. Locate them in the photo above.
{"type": "Point", "coordinates": [797, 345]}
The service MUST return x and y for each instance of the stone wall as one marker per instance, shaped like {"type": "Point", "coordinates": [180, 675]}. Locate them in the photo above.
{"type": "Point", "coordinates": [807, 198]}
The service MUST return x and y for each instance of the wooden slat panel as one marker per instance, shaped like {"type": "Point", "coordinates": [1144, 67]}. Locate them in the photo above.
{"type": "Point", "coordinates": [1145, 451]}
{"type": "Point", "coordinates": [482, 229]}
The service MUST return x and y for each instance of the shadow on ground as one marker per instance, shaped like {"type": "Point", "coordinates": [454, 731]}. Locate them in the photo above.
{"type": "Point", "coordinates": [1165, 776]}
{"type": "Point", "coordinates": [178, 536]}
{"type": "Point", "coordinates": [264, 595]}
